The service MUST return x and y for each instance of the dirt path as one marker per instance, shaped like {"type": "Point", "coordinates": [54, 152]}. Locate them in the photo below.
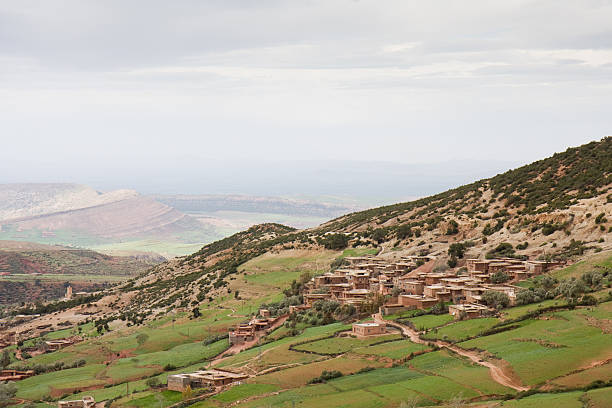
{"type": "Point", "coordinates": [497, 373]}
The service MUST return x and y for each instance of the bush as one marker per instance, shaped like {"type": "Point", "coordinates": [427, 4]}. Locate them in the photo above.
{"type": "Point", "coordinates": [498, 300]}
{"type": "Point", "coordinates": [334, 241]}
{"type": "Point", "coordinates": [153, 382]}
{"type": "Point", "coordinates": [326, 376]}
{"type": "Point", "coordinates": [504, 249]}
{"type": "Point", "coordinates": [601, 219]}
{"type": "Point", "coordinates": [500, 277]}
{"type": "Point", "coordinates": [453, 228]}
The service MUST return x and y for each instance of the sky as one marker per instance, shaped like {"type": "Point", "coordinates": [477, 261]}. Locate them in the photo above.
{"type": "Point", "coordinates": [157, 95]}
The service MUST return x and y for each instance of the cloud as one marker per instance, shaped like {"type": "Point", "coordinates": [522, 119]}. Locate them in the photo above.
{"type": "Point", "coordinates": [399, 80]}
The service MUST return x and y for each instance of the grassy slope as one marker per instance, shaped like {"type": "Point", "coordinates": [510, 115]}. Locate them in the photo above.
{"type": "Point", "coordinates": [432, 377]}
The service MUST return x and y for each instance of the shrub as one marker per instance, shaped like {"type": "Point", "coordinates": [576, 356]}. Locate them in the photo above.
{"type": "Point", "coordinates": [600, 219]}
{"type": "Point", "coordinates": [326, 376]}
{"type": "Point", "coordinates": [334, 241]}
{"type": "Point", "coordinates": [500, 277]}
{"type": "Point", "coordinates": [153, 382]}
{"type": "Point", "coordinates": [498, 300]}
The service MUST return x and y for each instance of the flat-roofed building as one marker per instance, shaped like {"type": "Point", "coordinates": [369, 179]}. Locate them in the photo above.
{"type": "Point", "coordinates": [368, 329]}
{"type": "Point", "coordinates": [203, 378]}
{"type": "Point", "coordinates": [467, 311]}
{"type": "Point", "coordinates": [241, 334]}
{"type": "Point", "coordinates": [417, 301]}
{"type": "Point", "coordinates": [85, 402]}
{"type": "Point", "coordinates": [412, 287]}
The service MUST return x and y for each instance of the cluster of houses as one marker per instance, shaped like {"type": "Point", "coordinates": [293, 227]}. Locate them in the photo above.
{"type": "Point", "coordinates": [410, 287]}
{"type": "Point", "coordinates": [246, 332]}
{"type": "Point", "coordinates": [15, 375]}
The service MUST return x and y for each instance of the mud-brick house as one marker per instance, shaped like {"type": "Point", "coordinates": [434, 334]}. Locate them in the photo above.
{"type": "Point", "coordinates": [241, 334]}
{"type": "Point", "coordinates": [85, 402]}
{"type": "Point", "coordinates": [467, 311]}
{"type": "Point", "coordinates": [368, 329]}
{"type": "Point", "coordinates": [416, 301]}
{"type": "Point", "coordinates": [203, 378]}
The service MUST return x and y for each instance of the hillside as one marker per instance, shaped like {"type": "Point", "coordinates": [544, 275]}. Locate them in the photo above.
{"type": "Point", "coordinates": [549, 209]}
{"type": "Point", "coordinates": [548, 349]}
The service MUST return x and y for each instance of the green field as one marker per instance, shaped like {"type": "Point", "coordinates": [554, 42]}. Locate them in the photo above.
{"type": "Point", "coordinates": [462, 330]}
{"type": "Point", "coordinates": [426, 322]}
{"type": "Point", "coordinates": [394, 350]}
{"type": "Point", "coordinates": [544, 349]}
{"type": "Point", "coordinates": [550, 350]}
{"type": "Point", "coordinates": [336, 345]}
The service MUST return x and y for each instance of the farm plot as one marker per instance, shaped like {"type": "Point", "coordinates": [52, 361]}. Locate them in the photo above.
{"type": "Point", "coordinates": [599, 398]}
{"type": "Point", "coordinates": [338, 345]}
{"type": "Point", "coordinates": [378, 388]}
{"type": "Point", "coordinates": [394, 350]}
{"type": "Point", "coordinates": [586, 377]}
{"type": "Point", "coordinates": [58, 383]}
{"type": "Point", "coordinates": [462, 330]}
{"type": "Point", "coordinates": [300, 375]}
{"type": "Point", "coordinates": [426, 322]}
{"type": "Point", "coordinates": [565, 400]}
{"type": "Point", "coordinates": [278, 353]}
{"type": "Point", "coordinates": [543, 349]}
{"type": "Point", "coordinates": [446, 364]}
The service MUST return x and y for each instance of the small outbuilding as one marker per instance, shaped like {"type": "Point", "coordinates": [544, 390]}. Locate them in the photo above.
{"type": "Point", "coordinates": [368, 329]}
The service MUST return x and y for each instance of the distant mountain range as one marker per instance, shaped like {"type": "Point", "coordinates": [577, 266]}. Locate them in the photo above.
{"type": "Point", "coordinates": [124, 221]}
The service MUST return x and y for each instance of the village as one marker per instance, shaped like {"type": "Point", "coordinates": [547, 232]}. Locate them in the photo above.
{"type": "Point", "coordinates": [407, 284]}
{"type": "Point", "coordinates": [404, 284]}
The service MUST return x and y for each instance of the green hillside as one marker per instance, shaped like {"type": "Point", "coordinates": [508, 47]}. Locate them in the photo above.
{"type": "Point", "coordinates": [550, 350]}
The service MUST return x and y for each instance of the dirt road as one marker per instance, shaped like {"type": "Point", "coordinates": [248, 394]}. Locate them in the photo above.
{"type": "Point", "coordinates": [497, 373]}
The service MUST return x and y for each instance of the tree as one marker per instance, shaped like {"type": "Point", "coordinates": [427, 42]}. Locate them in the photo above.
{"type": "Point", "coordinates": [504, 249]}
{"type": "Point", "coordinates": [453, 228]}
{"type": "Point", "coordinates": [5, 360]}
{"type": "Point", "coordinates": [498, 300]}
{"type": "Point", "coordinates": [335, 241]}
{"type": "Point", "coordinates": [196, 311]}
{"type": "Point", "coordinates": [500, 277]}
{"type": "Point", "coordinates": [404, 231]}
{"type": "Point", "coordinates": [141, 339]}
{"type": "Point", "coordinates": [187, 393]}
{"type": "Point", "coordinates": [457, 250]}
{"type": "Point", "coordinates": [152, 382]}
{"type": "Point", "coordinates": [452, 262]}
{"type": "Point", "coordinates": [7, 392]}
{"type": "Point", "coordinates": [572, 289]}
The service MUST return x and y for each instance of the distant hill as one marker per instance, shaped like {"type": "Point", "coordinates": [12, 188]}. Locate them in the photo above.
{"type": "Point", "coordinates": [33, 271]}
{"type": "Point", "coordinates": [211, 203]}
{"type": "Point", "coordinates": [34, 199]}
{"type": "Point", "coordinates": [124, 222]}
{"type": "Point", "coordinates": [77, 215]}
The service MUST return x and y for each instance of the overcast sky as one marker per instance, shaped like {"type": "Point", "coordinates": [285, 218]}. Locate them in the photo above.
{"type": "Point", "coordinates": [95, 89]}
